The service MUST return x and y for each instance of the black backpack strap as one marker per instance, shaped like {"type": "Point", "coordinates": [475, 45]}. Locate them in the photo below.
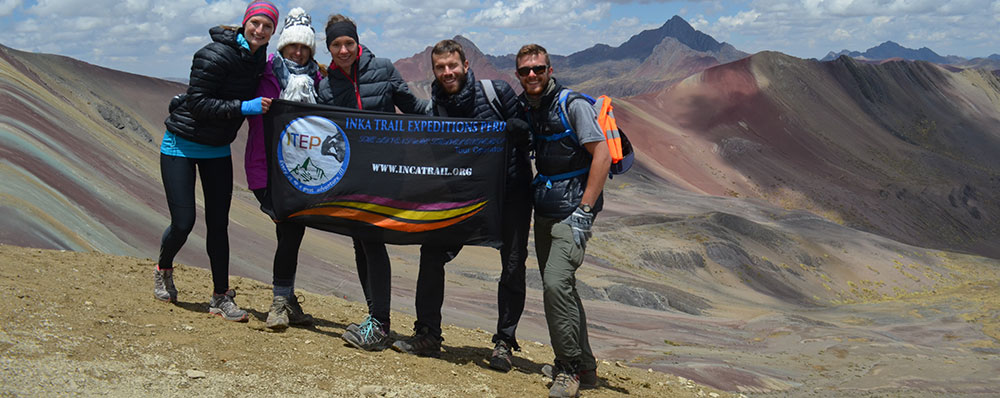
{"type": "Point", "coordinates": [491, 97]}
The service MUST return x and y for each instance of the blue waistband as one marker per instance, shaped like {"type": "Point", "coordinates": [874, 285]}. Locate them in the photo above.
{"type": "Point", "coordinates": [541, 178]}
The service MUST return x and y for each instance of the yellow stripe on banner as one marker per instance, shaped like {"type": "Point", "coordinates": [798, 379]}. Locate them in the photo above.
{"type": "Point", "coordinates": [417, 215]}
{"type": "Point", "coordinates": [381, 221]}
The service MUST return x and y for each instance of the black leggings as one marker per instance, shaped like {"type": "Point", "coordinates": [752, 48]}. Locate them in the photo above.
{"type": "Point", "coordinates": [375, 273]}
{"type": "Point", "coordinates": [217, 183]}
{"type": "Point", "coordinates": [286, 256]}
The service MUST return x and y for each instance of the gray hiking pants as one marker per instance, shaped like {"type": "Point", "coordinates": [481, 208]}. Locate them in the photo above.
{"type": "Point", "coordinates": [558, 259]}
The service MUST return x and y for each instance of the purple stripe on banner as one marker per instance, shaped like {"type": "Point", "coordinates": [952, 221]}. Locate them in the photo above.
{"type": "Point", "coordinates": [405, 205]}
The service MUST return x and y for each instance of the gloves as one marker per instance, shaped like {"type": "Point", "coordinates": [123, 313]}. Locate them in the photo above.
{"type": "Point", "coordinates": [518, 132]}
{"type": "Point", "coordinates": [580, 222]}
{"type": "Point", "coordinates": [252, 107]}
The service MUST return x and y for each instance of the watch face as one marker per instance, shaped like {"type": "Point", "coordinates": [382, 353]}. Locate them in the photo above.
{"type": "Point", "coordinates": [585, 208]}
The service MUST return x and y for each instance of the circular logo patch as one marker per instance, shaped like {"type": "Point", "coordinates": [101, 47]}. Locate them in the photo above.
{"type": "Point", "coordinates": [313, 154]}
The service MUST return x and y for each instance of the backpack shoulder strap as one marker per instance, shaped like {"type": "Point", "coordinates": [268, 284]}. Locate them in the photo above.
{"type": "Point", "coordinates": [491, 97]}
{"type": "Point", "coordinates": [565, 96]}
{"type": "Point", "coordinates": [563, 109]}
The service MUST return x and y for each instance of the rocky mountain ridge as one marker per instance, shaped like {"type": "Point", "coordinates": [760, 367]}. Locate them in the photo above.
{"type": "Point", "coordinates": [892, 50]}
{"type": "Point", "coordinates": [650, 60]}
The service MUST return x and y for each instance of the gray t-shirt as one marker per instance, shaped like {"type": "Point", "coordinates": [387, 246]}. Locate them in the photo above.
{"type": "Point", "coordinates": [583, 118]}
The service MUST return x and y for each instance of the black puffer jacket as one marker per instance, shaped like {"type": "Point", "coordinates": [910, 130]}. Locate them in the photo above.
{"type": "Point", "coordinates": [379, 85]}
{"type": "Point", "coordinates": [560, 197]}
{"type": "Point", "coordinates": [223, 75]}
{"type": "Point", "coordinates": [471, 102]}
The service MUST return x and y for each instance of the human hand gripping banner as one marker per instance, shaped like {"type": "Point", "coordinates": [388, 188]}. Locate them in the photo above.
{"type": "Point", "coordinates": [400, 179]}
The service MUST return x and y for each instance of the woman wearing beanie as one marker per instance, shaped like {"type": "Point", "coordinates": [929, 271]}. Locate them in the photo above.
{"type": "Point", "coordinates": [292, 74]}
{"type": "Point", "coordinates": [201, 125]}
{"type": "Point", "coordinates": [357, 79]}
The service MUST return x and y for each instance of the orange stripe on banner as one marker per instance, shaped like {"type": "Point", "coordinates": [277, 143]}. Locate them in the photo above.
{"type": "Point", "coordinates": [379, 220]}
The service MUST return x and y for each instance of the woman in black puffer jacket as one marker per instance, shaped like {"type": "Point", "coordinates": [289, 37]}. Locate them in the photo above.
{"type": "Point", "coordinates": [357, 79]}
{"type": "Point", "coordinates": [201, 125]}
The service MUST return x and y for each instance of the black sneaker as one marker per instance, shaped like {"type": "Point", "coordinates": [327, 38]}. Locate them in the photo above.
{"type": "Point", "coordinates": [500, 359]}
{"type": "Point", "coordinates": [588, 378]}
{"type": "Point", "coordinates": [369, 336]}
{"type": "Point", "coordinates": [423, 343]}
{"type": "Point", "coordinates": [297, 317]}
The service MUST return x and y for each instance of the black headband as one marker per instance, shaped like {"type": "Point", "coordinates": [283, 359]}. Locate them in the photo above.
{"type": "Point", "coordinates": [342, 28]}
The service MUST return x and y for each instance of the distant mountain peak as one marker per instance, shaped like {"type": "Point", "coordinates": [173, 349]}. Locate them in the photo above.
{"type": "Point", "coordinates": [641, 45]}
{"type": "Point", "coordinates": [890, 49]}
{"type": "Point", "coordinates": [678, 23]}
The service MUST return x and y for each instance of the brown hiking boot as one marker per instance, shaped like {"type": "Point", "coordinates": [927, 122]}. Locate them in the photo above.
{"type": "Point", "coordinates": [423, 343]}
{"type": "Point", "coordinates": [565, 385]}
{"type": "Point", "coordinates": [588, 378]}
{"type": "Point", "coordinates": [500, 359]}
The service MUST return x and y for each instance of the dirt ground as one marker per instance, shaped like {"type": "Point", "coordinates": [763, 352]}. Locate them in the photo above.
{"type": "Point", "coordinates": [86, 324]}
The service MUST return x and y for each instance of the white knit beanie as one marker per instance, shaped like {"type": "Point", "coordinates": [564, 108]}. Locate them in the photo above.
{"type": "Point", "coordinates": [298, 29]}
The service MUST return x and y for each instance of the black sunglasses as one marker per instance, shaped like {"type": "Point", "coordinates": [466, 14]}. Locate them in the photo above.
{"type": "Point", "coordinates": [538, 69]}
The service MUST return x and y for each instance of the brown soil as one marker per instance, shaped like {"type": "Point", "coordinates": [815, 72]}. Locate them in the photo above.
{"type": "Point", "coordinates": [85, 323]}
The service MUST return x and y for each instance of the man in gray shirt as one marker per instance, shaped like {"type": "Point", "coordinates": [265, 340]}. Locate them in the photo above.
{"type": "Point", "coordinates": [572, 166]}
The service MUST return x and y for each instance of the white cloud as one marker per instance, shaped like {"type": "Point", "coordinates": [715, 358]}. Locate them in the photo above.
{"type": "Point", "coordinates": [881, 21]}
{"type": "Point", "coordinates": [741, 19]}
{"type": "Point", "coordinates": [195, 40]}
{"type": "Point", "coordinates": [7, 7]}
{"type": "Point", "coordinates": [699, 22]}
{"type": "Point", "coordinates": [169, 32]}
{"type": "Point", "coordinates": [799, 26]}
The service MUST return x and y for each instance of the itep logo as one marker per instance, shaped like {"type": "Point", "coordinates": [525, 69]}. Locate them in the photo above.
{"type": "Point", "coordinates": [313, 154]}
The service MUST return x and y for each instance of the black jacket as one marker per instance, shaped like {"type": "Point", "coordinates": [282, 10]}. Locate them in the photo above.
{"type": "Point", "coordinates": [223, 75]}
{"type": "Point", "coordinates": [557, 197]}
{"type": "Point", "coordinates": [379, 85]}
{"type": "Point", "coordinates": [471, 102]}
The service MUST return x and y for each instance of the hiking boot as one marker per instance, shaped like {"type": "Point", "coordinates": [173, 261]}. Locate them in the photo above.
{"type": "Point", "coordinates": [369, 336]}
{"type": "Point", "coordinates": [277, 317]}
{"type": "Point", "coordinates": [423, 344]}
{"type": "Point", "coordinates": [588, 378]}
{"type": "Point", "coordinates": [565, 385]}
{"type": "Point", "coordinates": [297, 317]}
{"type": "Point", "coordinates": [501, 357]}
{"type": "Point", "coordinates": [163, 285]}
{"type": "Point", "coordinates": [224, 306]}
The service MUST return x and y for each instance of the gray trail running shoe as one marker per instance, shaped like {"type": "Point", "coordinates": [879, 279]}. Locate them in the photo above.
{"type": "Point", "coordinates": [423, 343]}
{"type": "Point", "coordinates": [224, 306]}
{"type": "Point", "coordinates": [565, 385]}
{"type": "Point", "coordinates": [353, 327]}
{"type": "Point", "coordinates": [163, 285]}
{"type": "Point", "coordinates": [588, 378]}
{"type": "Point", "coordinates": [500, 359]}
{"type": "Point", "coordinates": [277, 317]}
{"type": "Point", "coordinates": [297, 317]}
{"type": "Point", "coordinates": [369, 336]}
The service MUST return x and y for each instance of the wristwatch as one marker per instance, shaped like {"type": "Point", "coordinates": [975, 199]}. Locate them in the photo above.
{"type": "Point", "coordinates": [586, 208]}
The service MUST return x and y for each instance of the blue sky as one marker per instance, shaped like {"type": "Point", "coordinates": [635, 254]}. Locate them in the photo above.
{"type": "Point", "coordinates": [157, 38]}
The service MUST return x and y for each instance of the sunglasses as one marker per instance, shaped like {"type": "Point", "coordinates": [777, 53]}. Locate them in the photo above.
{"type": "Point", "coordinates": [538, 69]}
